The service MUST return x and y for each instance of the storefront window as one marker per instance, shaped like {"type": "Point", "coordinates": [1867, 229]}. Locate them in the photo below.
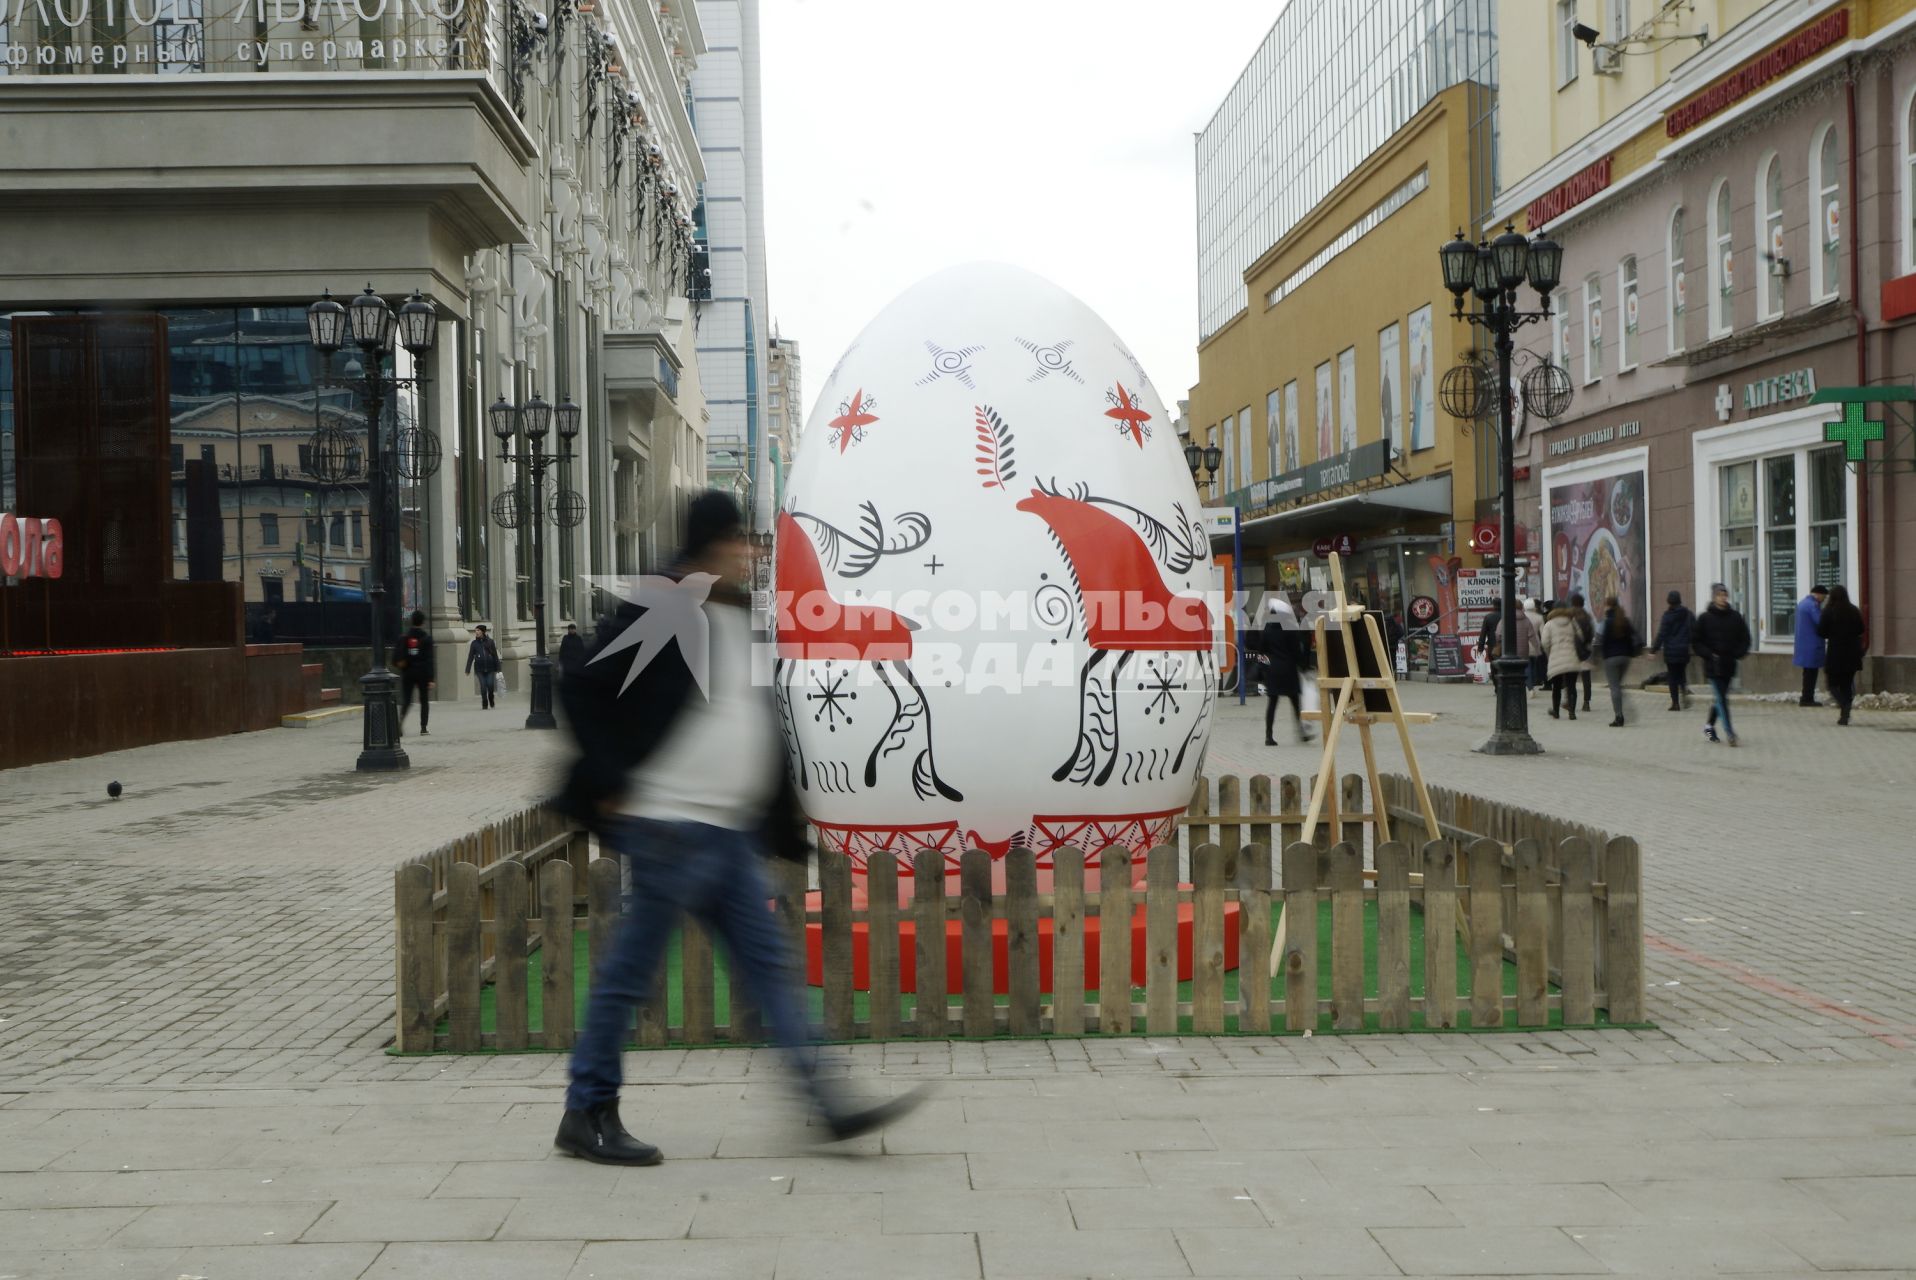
{"type": "Point", "coordinates": [1739, 533]}
{"type": "Point", "coordinates": [1779, 541]}
{"type": "Point", "coordinates": [1829, 514]}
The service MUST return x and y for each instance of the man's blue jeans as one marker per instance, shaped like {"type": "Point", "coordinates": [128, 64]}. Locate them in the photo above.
{"type": "Point", "coordinates": [713, 874]}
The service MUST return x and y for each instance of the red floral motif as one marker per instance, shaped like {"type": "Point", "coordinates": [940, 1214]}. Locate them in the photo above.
{"type": "Point", "coordinates": [853, 417]}
{"type": "Point", "coordinates": [1129, 413]}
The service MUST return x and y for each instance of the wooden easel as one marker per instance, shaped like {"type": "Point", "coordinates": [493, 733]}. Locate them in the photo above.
{"type": "Point", "coordinates": [1348, 707]}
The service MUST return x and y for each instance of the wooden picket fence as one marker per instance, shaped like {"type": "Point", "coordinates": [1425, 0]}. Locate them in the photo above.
{"type": "Point", "coordinates": [1562, 902]}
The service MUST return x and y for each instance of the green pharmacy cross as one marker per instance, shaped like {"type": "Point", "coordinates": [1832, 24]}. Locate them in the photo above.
{"type": "Point", "coordinates": [1857, 429]}
{"type": "Point", "coordinates": [1854, 432]}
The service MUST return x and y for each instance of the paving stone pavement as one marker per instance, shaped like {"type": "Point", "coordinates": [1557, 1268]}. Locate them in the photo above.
{"type": "Point", "coordinates": [195, 987]}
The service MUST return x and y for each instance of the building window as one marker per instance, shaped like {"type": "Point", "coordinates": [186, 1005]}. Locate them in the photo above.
{"type": "Point", "coordinates": [1779, 542]}
{"type": "Point", "coordinates": [1676, 285]}
{"type": "Point", "coordinates": [1559, 319]}
{"type": "Point", "coordinates": [1738, 543]}
{"type": "Point", "coordinates": [1627, 304]}
{"type": "Point", "coordinates": [338, 538]}
{"type": "Point", "coordinates": [1244, 446]}
{"type": "Point", "coordinates": [1783, 517]}
{"type": "Point", "coordinates": [1566, 42]}
{"type": "Point", "coordinates": [1826, 216]}
{"type": "Point", "coordinates": [315, 530]}
{"type": "Point", "coordinates": [358, 531]}
{"type": "Point", "coordinates": [1619, 21]}
{"type": "Point", "coordinates": [1909, 183]}
{"type": "Point", "coordinates": [266, 471]}
{"type": "Point", "coordinates": [1769, 235]}
{"type": "Point", "coordinates": [268, 529]}
{"type": "Point", "coordinates": [1829, 515]}
{"type": "Point", "coordinates": [1722, 267]}
{"type": "Point", "coordinates": [1592, 330]}
{"type": "Point", "coordinates": [1273, 458]}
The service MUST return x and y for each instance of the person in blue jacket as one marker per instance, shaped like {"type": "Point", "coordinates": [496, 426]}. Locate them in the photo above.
{"type": "Point", "coordinates": [1809, 640]}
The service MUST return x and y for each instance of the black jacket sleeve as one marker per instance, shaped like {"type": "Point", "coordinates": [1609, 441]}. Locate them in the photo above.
{"type": "Point", "coordinates": [616, 726]}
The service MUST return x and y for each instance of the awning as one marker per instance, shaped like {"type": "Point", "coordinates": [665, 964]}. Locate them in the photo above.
{"type": "Point", "coordinates": [1351, 514]}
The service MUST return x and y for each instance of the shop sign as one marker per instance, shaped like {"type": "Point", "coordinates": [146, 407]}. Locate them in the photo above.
{"type": "Point", "coordinates": [1218, 522]}
{"type": "Point", "coordinates": [1591, 439]}
{"type": "Point", "coordinates": [1486, 537]}
{"type": "Point", "coordinates": [1447, 656]}
{"type": "Point", "coordinates": [152, 33]}
{"type": "Point", "coordinates": [1772, 64]}
{"type": "Point", "coordinates": [31, 547]}
{"type": "Point", "coordinates": [1568, 194]}
{"type": "Point", "coordinates": [1366, 462]}
{"type": "Point", "coordinates": [1765, 393]}
{"type": "Point", "coordinates": [1422, 610]}
{"type": "Point", "coordinates": [1340, 544]}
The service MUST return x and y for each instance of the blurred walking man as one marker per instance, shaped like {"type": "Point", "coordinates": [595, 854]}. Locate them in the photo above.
{"type": "Point", "coordinates": [681, 769]}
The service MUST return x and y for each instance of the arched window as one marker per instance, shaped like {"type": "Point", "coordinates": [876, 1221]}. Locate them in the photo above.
{"type": "Point", "coordinates": [1676, 282]}
{"type": "Point", "coordinates": [1769, 238]}
{"type": "Point", "coordinates": [1909, 182]}
{"type": "Point", "coordinates": [1627, 313]}
{"type": "Point", "coordinates": [1592, 329]}
{"type": "Point", "coordinates": [1722, 265]}
{"type": "Point", "coordinates": [1826, 215]}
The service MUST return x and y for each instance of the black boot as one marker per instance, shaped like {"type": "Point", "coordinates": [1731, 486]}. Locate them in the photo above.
{"type": "Point", "coordinates": [596, 1134]}
{"type": "Point", "coordinates": [844, 1122]}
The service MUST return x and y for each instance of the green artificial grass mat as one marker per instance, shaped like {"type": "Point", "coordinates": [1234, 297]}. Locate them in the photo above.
{"type": "Point", "coordinates": [861, 1001]}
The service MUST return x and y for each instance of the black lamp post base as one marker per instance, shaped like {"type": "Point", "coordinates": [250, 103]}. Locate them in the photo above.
{"type": "Point", "coordinates": [540, 717]}
{"type": "Point", "coordinates": [380, 751]}
{"type": "Point", "coordinates": [1512, 736]}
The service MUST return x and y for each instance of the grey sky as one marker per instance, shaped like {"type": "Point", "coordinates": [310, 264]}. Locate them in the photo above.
{"type": "Point", "coordinates": [902, 136]}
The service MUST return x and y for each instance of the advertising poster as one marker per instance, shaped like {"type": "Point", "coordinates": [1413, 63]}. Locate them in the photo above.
{"type": "Point", "coordinates": [1421, 405]}
{"type": "Point", "coordinates": [1347, 399]}
{"type": "Point", "coordinates": [1390, 384]}
{"type": "Point", "coordinates": [1326, 415]}
{"type": "Point", "coordinates": [1292, 458]}
{"type": "Point", "coordinates": [1597, 542]}
{"type": "Point", "coordinates": [1274, 432]}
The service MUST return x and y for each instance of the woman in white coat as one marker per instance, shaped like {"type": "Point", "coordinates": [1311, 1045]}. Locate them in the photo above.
{"type": "Point", "coordinates": [1563, 662]}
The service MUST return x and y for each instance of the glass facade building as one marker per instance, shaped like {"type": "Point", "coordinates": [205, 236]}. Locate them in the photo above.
{"type": "Point", "coordinates": [1331, 82]}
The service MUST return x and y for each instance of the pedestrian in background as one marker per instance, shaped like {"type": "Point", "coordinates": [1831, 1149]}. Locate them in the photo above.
{"type": "Point", "coordinates": [413, 656]}
{"type": "Point", "coordinates": [1286, 655]}
{"type": "Point", "coordinates": [1562, 658]}
{"type": "Point", "coordinates": [571, 651]}
{"type": "Point", "coordinates": [1586, 644]}
{"type": "Point", "coordinates": [1530, 641]}
{"type": "Point", "coordinates": [1673, 642]}
{"type": "Point", "coordinates": [688, 782]}
{"type": "Point", "coordinates": [1722, 639]}
{"type": "Point", "coordinates": [482, 660]}
{"type": "Point", "coordinates": [1809, 641]}
{"type": "Point", "coordinates": [1841, 628]}
{"type": "Point", "coordinates": [1618, 642]}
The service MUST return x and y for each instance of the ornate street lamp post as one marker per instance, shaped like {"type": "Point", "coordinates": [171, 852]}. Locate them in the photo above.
{"type": "Point", "coordinates": [533, 420]}
{"type": "Point", "coordinates": [1494, 272]}
{"type": "Point", "coordinates": [370, 326]}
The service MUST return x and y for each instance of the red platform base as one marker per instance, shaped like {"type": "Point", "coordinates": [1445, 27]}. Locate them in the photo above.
{"type": "Point", "coordinates": [1000, 963]}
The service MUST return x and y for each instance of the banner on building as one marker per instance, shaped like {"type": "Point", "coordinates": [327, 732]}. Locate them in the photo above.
{"type": "Point", "coordinates": [1422, 407]}
{"type": "Point", "coordinates": [1597, 541]}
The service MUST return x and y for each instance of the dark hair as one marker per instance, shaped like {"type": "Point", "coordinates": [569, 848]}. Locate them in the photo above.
{"type": "Point", "coordinates": [1614, 607]}
{"type": "Point", "coordinates": [1839, 594]}
{"type": "Point", "coordinates": [419, 617]}
{"type": "Point", "coordinates": [1576, 599]}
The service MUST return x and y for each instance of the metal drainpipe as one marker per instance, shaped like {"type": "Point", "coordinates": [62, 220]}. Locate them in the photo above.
{"type": "Point", "coordinates": [1862, 350]}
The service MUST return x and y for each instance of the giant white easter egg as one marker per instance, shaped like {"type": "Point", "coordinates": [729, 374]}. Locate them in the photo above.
{"type": "Point", "coordinates": [994, 624]}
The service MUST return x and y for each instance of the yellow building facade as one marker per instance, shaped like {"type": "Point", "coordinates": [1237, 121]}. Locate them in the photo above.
{"type": "Point", "coordinates": [1322, 393]}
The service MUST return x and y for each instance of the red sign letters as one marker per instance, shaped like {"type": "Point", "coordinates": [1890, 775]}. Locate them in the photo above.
{"type": "Point", "coordinates": [31, 547]}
